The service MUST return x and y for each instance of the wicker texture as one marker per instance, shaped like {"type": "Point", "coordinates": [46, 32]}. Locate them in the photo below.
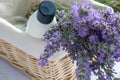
{"type": "Point", "coordinates": [62, 69]}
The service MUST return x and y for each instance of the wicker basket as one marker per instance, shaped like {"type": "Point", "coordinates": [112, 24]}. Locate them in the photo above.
{"type": "Point", "coordinates": [62, 69]}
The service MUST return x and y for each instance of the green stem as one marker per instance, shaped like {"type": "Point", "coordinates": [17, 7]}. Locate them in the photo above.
{"type": "Point", "coordinates": [61, 7]}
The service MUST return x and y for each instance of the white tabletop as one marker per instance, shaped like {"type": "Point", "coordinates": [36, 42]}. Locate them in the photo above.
{"type": "Point", "coordinates": [8, 72]}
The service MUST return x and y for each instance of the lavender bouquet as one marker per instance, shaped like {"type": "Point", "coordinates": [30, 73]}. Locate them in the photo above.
{"type": "Point", "coordinates": [91, 37]}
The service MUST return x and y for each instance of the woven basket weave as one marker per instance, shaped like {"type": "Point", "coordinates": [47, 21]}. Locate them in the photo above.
{"type": "Point", "coordinates": [62, 69]}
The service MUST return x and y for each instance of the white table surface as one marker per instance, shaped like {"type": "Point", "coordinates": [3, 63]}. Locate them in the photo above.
{"type": "Point", "coordinates": [8, 72]}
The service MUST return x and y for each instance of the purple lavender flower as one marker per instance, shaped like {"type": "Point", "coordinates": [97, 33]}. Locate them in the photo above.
{"type": "Point", "coordinates": [112, 19]}
{"type": "Point", "coordinates": [58, 38]}
{"type": "Point", "coordinates": [42, 63]}
{"type": "Point", "coordinates": [41, 56]}
{"type": "Point", "coordinates": [83, 10]}
{"type": "Point", "coordinates": [96, 23]}
{"type": "Point", "coordinates": [49, 53]}
{"type": "Point", "coordinates": [47, 46]}
{"type": "Point", "coordinates": [118, 44]}
{"type": "Point", "coordinates": [101, 57]}
{"type": "Point", "coordinates": [108, 11]}
{"type": "Point", "coordinates": [83, 31]}
{"type": "Point", "coordinates": [104, 34]}
{"type": "Point", "coordinates": [77, 71]}
{"type": "Point", "coordinates": [103, 77]}
{"type": "Point", "coordinates": [117, 53]}
{"type": "Point", "coordinates": [74, 10]}
{"type": "Point", "coordinates": [94, 67]}
{"type": "Point", "coordinates": [91, 37]}
{"type": "Point", "coordinates": [87, 66]}
{"type": "Point", "coordinates": [118, 25]}
{"type": "Point", "coordinates": [76, 26]}
{"type": "Point", "coordinates": [117, 59]}
{"type": "Point", "coordinates": [109, 78]}
{"type": "Point", "coordinates": [61, 13]}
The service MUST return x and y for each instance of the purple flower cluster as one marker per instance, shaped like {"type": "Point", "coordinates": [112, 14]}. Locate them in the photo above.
{"type": "Point", "coordinates": [91, 37]}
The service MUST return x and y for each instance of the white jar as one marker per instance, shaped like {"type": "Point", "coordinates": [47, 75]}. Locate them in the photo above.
{"type": "Point", "coordinates": [42, 20]}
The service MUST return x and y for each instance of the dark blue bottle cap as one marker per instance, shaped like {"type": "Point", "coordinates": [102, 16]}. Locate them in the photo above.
{"type": "Point", "coordinates": [46, 12]}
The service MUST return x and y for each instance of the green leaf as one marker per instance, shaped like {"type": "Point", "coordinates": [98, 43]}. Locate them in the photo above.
{"type": "Point", "coordinates": [116, 78]}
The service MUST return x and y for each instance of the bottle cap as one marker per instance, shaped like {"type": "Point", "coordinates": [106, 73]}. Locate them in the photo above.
{"type": "Point", "coordinates": [46, 12]}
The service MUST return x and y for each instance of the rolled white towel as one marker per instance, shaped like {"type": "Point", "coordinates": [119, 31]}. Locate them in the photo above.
{"type": "Point", "coordinates": [6, 10]}
{"type": "Point", "coordinates": [13, 10]}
